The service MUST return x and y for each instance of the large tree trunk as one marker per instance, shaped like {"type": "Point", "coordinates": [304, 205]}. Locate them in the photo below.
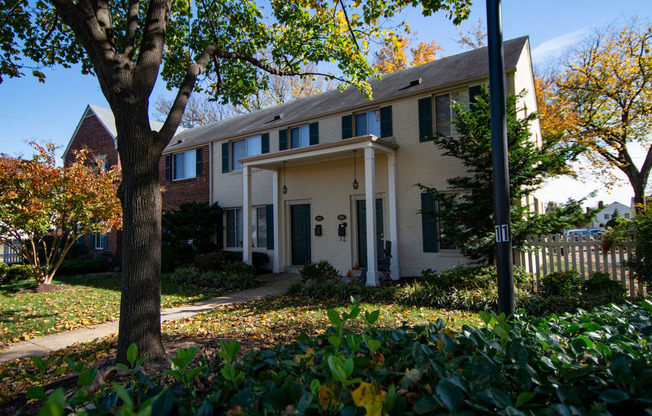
{"type": "Point", "coordinates": [140, 194]}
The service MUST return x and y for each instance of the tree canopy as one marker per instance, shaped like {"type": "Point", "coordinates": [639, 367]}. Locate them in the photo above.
{"type": "Point", "coordinates": [392, 56]}
{"type": "Point", "coordinates": [211, 46]}
{"type": "Point", "coordinates": [602, 100]}
{"type": "Point", "coordinates": [44, 209]}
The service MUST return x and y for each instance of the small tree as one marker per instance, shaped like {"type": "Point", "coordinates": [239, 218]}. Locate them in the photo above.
{"type": "Point", "coordinates": [45, 208]}
{"type": "Point", "coordinates": [466, 217]}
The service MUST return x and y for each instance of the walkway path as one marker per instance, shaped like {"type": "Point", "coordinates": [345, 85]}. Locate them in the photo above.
{"type": "Point", "coordinates": [273, 284]}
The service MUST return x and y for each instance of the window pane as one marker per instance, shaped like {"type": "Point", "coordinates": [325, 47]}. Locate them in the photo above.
{"type": "Point", "coordinates": [230, 228]}
{"type": "Point", "coordinates": [254, 146]}
{"type": "Point", "coordinates": [191, 164]}
{"type": "Point", "coordinates": [295, 139]}
{"type": "Point", "coordinates": [373, 118]}
{"type": "Point", "coordinates": [179, 166]}
{"type": "Point", "coordinates": [443, 114]}
{"type": "Point", "coordinates": [361, 124]}
{"type": "Point", "coordinates": [261, 227]}
{"type": "Point", "coordinates": [305, 136]}
{"type": "Point", "coordinates": [239, 151]}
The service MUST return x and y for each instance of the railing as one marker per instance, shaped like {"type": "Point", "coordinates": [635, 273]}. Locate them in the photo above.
{"type": "Point", "coordinates": [557, 252]}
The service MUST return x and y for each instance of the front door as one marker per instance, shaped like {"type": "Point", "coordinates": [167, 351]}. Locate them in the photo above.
{"type": "Point", "coordinates": [362, 231]}
{"type": "Point", "coordinates": [300, 233]}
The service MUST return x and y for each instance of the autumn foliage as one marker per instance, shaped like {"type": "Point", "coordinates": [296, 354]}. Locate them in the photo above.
{"type": "Point", "coordinates": [44, 208]}
{"type": "Point", "coordinates": [393, 56]}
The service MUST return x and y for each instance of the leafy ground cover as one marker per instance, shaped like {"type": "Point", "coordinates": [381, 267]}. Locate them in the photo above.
{"type": "Point", "coordinates": [258, 325]}
{"type": "Point", "coordinates": [87, 300]}
{"type": "Point", "coordinates": [586, 363]}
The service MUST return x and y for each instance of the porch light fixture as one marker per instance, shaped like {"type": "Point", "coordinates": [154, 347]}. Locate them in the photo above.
{"type": "Point", "coordinates": [284, 189]}
{"type": "Point", "coordinates": [355, 179]}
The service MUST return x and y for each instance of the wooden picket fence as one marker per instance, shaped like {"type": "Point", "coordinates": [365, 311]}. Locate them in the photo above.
{"type": "Point", "coordinates": [558, 252]}
{"type": "Point", "coordinates": [9, 255]}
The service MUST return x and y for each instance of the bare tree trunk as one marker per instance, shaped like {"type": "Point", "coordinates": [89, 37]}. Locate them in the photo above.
{"type": "Point", "coordinates": [140, 195]}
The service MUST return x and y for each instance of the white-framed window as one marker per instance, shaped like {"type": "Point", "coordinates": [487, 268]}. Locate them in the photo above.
{"type": "Point", "coordinates": [99, 241]}
{"type": "Point", "coordinates": [436, 114]}
{"type": "Point", "coordinates": [300, 136]}
{"type": "Point", "coordinates": [233, 227]}
{"type": "Point", "coordinates": [368, 123]}
{"type": "Point", "coordinates": [184, 165]}
{"type": "Point", "coordinates": [250, 146]}
{"type": "Point", "coordinates": [626, 216]}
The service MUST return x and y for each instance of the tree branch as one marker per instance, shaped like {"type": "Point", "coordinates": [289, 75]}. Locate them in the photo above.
{"type": "Point", "coordinates": [151, 46]}
{"type": "Point", "coordinates": [132, 28]}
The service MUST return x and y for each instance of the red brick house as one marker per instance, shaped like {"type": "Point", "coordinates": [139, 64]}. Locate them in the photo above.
{"type": "Point", "coordinates": [185, 176]}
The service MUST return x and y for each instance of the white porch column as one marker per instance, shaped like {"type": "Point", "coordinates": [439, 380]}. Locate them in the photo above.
{"type": "Point", "coordinates": [276, 267]}
{"type": "Point", "coordinates": [394, 269]}
{"type": "Point", "coordinates": [370, 201]}
{"type": "Point", "coordinates": [246, 214]}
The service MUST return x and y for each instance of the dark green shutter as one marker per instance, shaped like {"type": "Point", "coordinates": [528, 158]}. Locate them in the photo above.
{"type": "Point", "coordinates": [347, 127]}
{"type": "Point", "coordinates": [105, 241]}
{"type": "Point", "coordinates": [428, 223]}
{"type": "Point", "coordinates": [91, 241]}
{"type": "Point", "coordinates": [264, 143]}
{"type": "Point", "coordinates": [474, 91]}
{"type": "Point", "coordinates": [425, 119]}
{"type": "Point", "coordinates": [283, 139]}
{"type": "Point", "coordinates": [225, 157]}
{"type": "Point", "coordinates": [270, 226]}
{"type": "Point", "coordinates": [168, 168]}
{"type": "Point", "coordinates": [386, 129]}
{"type": "Point", "coordinates": [314, 133]}
{"type": "Point", "coordinates": [198, 170]}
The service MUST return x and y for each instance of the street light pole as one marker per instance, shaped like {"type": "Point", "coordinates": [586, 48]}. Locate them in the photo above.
{"type": "Point", "coordinates": [504, 257]}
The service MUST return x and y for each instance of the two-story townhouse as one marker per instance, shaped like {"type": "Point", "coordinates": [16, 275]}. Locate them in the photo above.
{"type": "Point", "coordinates": [296, 179]}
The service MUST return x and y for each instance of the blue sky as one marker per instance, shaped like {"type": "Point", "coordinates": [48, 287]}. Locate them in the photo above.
{"type": "Point", "coordinates": [50, 112]}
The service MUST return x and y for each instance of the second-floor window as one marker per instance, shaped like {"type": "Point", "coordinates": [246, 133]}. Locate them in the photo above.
{"type": "Point", "coordinates": [437, 115]}
{"type": "Point", "coordinates": [377, 122]}
{"type": "Point", "coordinates": [183, 165]}
{"type": "Point", "coordinates": [235, 150]}
{"type": "Point", "coordinates": [299, 136]}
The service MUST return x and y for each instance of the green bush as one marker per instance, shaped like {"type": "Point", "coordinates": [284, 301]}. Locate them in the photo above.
{"type": "Point", "coordinates": [581, 364]}
{"type": "Point", "coordinates": [319, 272]}
{"type": "Point", "coordinates": [475, 277]}
{"type": "Point", "coordinates": [561, 284]}
{"type": "Point", "coordinates": [173, 257]}
{"type": "Point", "coordinates": [210, 262]}
{"type": "Point", "coordinates": [601, 285]}
{"type": "Point", "coordinates": [14, 273]}
{"type": "Point", "coordinates": [259, 260]}
{"type": "Point", "coordinates": [234, 276]}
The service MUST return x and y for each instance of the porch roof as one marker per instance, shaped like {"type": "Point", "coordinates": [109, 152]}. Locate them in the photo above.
{"type": "Point", "coordinates": [318, 153]}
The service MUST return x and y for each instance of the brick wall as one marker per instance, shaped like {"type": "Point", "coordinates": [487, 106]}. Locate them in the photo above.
{"type": "Point", "coordinates": [197, 189]}
{"type": "Point", "coordinates": [92, 134]}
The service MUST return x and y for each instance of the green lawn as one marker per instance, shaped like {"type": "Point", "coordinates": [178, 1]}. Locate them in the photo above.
{"type": "Point", "coordinates": [91, 299]}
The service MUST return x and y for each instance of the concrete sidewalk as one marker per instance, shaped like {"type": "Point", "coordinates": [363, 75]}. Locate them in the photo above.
{"type": "Point", "coordinates": [273, 284]}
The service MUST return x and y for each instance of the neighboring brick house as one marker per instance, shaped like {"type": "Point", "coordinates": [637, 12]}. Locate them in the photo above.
{"type": "Point", "coordinates": [295, 179]}
{"type": "Point", "coordinates": [184, 176]}
{"type": "Point", "coordinates": [96, 131]}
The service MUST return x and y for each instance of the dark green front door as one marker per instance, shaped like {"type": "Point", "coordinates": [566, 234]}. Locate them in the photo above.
{"type": "Point", "coordinates": [362, 231]}
{"type": "Point", "coordinates": [300, 233]}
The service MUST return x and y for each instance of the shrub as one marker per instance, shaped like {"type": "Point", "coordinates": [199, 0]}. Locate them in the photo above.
{"type": "Point", "coordinates": [174, 257]}
{"type": "Point", "coordinates": [209, 262]}
{"type": "Point", "coordinates": [475, 277]}
{"type": "Point", "coordinates": [14, 273]}
{"type": "Point", "coordinates": [235, 276]}
{"type": "Point", "coordinates": [601, 285]}
{"type": "Point", "coordinates": [586, 363]}
{"type": "Point", "coordinates": [561, 284]}
{"type": "Point", "coordinates": [259, 260]}
{"type": "Point", "coordinates": [319, 272]}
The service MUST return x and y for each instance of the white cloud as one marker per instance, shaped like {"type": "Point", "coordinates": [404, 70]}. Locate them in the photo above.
{"type": "Point", "coordinates": [555, 46]}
